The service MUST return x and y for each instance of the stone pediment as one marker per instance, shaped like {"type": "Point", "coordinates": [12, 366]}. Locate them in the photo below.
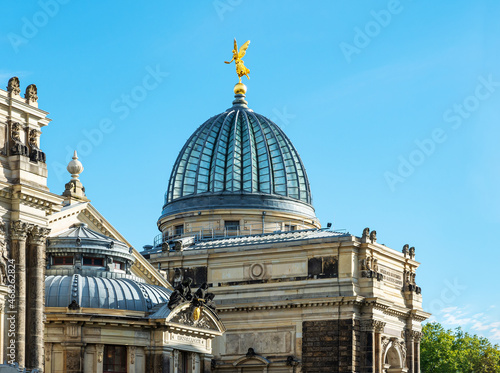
{"type": "Point", "coordinates": [208, 320]}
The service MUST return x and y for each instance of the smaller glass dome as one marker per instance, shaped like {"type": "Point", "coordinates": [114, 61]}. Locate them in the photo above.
{"type": "Point", "coordinates": [88, 269]}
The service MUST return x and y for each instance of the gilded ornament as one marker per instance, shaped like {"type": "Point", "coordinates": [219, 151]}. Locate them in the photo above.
{"type": "Point", "coordinates": [241, 69]}
{"type": "Point", "coordinates": [196, 313]}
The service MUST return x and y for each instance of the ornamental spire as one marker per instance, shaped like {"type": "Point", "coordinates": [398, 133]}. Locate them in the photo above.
{"type": "Point", "coordinates": [74, 190]}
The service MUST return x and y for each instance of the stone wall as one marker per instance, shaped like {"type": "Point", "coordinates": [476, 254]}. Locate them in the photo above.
{"type": "Point", "coordinates": [330, 345]}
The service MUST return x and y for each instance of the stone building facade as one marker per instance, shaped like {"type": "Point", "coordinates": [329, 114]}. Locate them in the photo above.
{"type": "Point", "coordinates": [74, 295]}
{"type": "Point", "coordinates": [293, 296]}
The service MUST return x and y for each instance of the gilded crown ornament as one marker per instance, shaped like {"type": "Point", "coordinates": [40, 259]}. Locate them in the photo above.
{"type": "Point", "coordinates": [241, 69]}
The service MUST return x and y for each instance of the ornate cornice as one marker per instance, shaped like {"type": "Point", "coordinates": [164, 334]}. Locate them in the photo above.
{"type": "Point", "coordinates": [36, 202]}
{"type": "Point", "coordinates": [97, 223]}
{"type": "Point", "coordinates": [329, 303]}
{"type": "Point", "coordinates": [6, 193]}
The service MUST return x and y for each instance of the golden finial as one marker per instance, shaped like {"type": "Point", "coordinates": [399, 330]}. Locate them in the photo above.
{"type": "Point", "coordinates": [241, 70]}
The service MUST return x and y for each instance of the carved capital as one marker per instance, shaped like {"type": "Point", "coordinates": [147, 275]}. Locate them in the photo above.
{"type": "Point", "coordinates": [19, 230]}
{"type": "Point", "coordinates": [416, 335]}
{"type": "Point", "coordinates": [38, 235]}
{"type": "Point", "coordinates": [372, 325]}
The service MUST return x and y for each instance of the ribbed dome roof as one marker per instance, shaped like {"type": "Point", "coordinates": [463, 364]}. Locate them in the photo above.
{"type": "Point", "coordinates": [239, 152]}
{"type": "Point", "coordinates": [97, 292]}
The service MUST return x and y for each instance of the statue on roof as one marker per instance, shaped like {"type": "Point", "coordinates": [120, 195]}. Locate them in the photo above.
{"type": "Point", "coordinates": [241, 69]}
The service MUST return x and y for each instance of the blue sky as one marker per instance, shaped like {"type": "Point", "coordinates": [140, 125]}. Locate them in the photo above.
{"type": "Point", "coordinates": [394, 107]}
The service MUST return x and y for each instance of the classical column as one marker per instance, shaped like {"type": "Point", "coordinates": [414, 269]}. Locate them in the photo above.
{"type": "Point", "coordinates": [416, 343]}
{"type": "Point", "coordinates": [371, 354]}
{"type": "Point", "coordinates": [36, 296]}
{"type": "Point", "coordinates": [413, 350]}
{"type": "Point", "coordinates": [379, 329]}
{"type": "Point", "coordinates": [18, 234]}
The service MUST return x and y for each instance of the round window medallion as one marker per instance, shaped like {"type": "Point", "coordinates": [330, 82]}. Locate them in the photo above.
{"type": "Point", "coordinates": [257, 270]}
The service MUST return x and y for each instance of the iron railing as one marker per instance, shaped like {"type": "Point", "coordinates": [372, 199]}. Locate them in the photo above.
{"type": "Point", "coordinates": [213, 233]}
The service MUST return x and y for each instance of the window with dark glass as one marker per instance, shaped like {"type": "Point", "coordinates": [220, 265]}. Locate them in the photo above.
{"type": "Point", "coordinates": [179, 230]}
{"type": "Point", "coordinates": [290, 227]}
{"type": "Point", "coordinates": [115, 359]}
{"type": "Point", "coordinates": [62, 260]}
{"type": "Point", "coordinates": [232, 226]}
{"type": "Point", "coordinates": [88, 261]}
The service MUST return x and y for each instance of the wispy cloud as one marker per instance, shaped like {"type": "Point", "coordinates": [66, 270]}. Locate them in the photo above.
{"type": "Point", "coordinates": [476, 323]}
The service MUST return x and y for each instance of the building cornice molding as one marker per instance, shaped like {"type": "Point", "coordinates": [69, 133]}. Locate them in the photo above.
{"type": "Point", "coordinates": [306, 303]}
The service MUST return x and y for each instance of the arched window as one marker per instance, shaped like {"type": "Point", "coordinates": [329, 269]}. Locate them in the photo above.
{"type": "Point", "coordinates": [115, 359]}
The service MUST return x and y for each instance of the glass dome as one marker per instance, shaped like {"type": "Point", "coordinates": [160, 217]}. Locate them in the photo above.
{"type": "Point", "coordinates": [239, 153]}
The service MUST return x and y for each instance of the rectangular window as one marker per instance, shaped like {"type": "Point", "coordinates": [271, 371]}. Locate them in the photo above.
{"type": "Point", "coordinates": [115, 359]}
{"type": "Point", "coordinates": [179, 230]}
{"type": "Point", "coordinates": [232, 227]}
{"type": "Point", "coordinates": [93, 261]}
{"type": "Point", "coordinates": [290, 227]}
{"type": "Point", "coordinates": [62, 260]}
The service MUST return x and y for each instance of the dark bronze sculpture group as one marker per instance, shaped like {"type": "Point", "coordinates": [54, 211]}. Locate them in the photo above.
{"type": "Point", "coordinates": [202, 297]}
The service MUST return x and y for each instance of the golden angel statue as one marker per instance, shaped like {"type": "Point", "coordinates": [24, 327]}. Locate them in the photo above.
{"type": "Point", "coordinates": [237, 58]}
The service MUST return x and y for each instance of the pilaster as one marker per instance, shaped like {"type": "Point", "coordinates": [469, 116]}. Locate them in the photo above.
{"type": "Point", "coordinates": [73, 356]}
{"type": "Point", "coordinates": [207, 363]}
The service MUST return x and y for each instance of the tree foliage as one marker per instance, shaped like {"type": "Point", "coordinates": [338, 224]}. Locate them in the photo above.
{"type": "Point", "coordinates": [455, 351]}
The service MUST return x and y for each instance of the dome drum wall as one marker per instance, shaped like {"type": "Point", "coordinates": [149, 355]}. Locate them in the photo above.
{"type": "Point", "coordinates": [214, 222]}
{"type": "Point", "coordinates": [238, 161]}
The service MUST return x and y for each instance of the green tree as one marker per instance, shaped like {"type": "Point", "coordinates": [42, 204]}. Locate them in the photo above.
{"type": "Point", "coordinates": [455, 351]}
